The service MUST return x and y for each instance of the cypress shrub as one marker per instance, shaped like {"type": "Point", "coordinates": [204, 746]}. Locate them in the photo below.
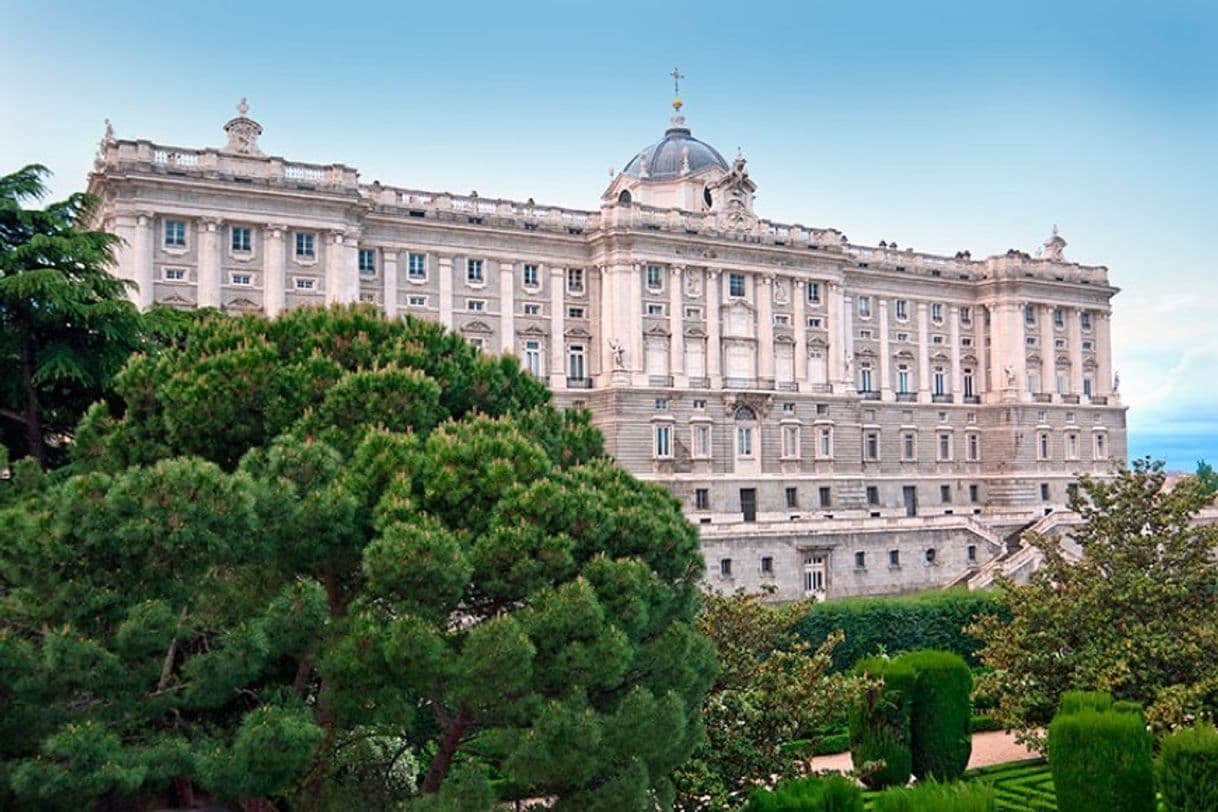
{"type": "Point", "coordinates": [1188, 770]}
{"type": "Point", "coordinates": [934, 620]}
{"type": "Point", "coordinates": [1075, 701]}
{"type": "Point", "coordinates": [879, 723]}
{"type": "Point", "coordinates": [941, 738]}
{"type": "Point", "coordinates": [931, 796]}
{"type": "Point", "coordinates": [833, 793]}
{"type": "Point", "coordinates": [1101, 762]}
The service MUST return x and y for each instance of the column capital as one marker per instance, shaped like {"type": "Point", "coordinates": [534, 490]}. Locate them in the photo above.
{"type": "Point", "coordinates": [390, 254]}
{"type": "Point", "coordinates": [767, 278]}
{"type": "Point", "coordinates": [274, 231]}
{"type": "Point", "coordinates": [211, 223]}
{"type": "Point", "coordinates": [713, 273]}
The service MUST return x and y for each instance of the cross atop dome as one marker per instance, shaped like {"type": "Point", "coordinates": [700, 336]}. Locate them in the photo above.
{"type": "Point", "coordinates": [677, 76]}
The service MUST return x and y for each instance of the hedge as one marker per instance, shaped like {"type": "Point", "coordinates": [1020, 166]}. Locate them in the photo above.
{"type": "Point", "coordinates": [1188, 770]}
{"type": "Point", "coordinates": [931, 796]}
{"type": "Point", "coordinates": [1076, 701]}
{"type": "Point", "coordinates": [833, 793]}
{"type": "Point", "coordinates": [1101, 762]}
{"type": "Point", "coordinates": [940, 737]}
{"type": "Point", "coordinates": [930, 620]}
{"type": "Point", "coordinates": [880, 724]}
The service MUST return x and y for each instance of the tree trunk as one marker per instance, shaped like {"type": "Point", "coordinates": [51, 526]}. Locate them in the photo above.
{"type": "Point", "coordinates": [33, 421]}
{"type": "Point", "coordinates": [450, 739]}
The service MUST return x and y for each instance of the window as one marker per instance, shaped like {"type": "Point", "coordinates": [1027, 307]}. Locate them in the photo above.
{"type": "Point", "coordinates": [367, 296]}
{"type": "Point", "coordinates": [790, 442]}
{"type": "Point", "coordinates": [575, 361]}
{"type": "Point", "coordinates": [825, 496]}
{"type": "Point", "coordinates": [1030, 341]}
{"type": "Point", "coordinates": [814, 292]}
{"type": "Point", "coordinates": [663, 447]}
{"type": "Point", "coordinates": [865, 377]}
{"type": "Point", "coordinates": [1087, 346]}
{"type": "Point", "coordinates": [475, 305]}
{"type": "Point", "coordinates": [1069, 417]}
{"type": "Point", "coordinates": [735, 284]}
{"type": "Point", "coordinates": [1029, 314]}
{"type": "Point", "coordinates": [699, 404]}
{"type": "Point", "coordinates": [416, 266]}
{"type": "Point", "coordinates": [782, 318]}
{"type": "Point", "coordinates": [873, 495]}
{"type": "Point", "coordinates": [478, 342]}
{"type": "Point", "coordinates": [1100, 443]}
{"type": "Point", "coordinates": [174, 274]}
{"type": "Point", "coordinates": [744, 441]}
{"type": "Point", "coordinates": [968, 382]}
{"type": "Point", "coordinates": [860, 560]}
{"type": "Point", "coordinates": [971, 552]}
{"type": "Point", "coordinates": [902, 309]}
{"type": "Point", "coordinates": [936, 313]}
{"type": "Point", "coordinates": [973, 493]}
{"type": "Point", "coordinates": [902, 337]}
{"type": "Point", "coordinates": [1084, 320]}
{"type": "Point", "coordinates": [175, 234]}
{"type": "Point", "coordinates": [909, 447]}
{"type": "Point", "coordinates": [814, 322]}
{"type": "Point", "coordinates": [693, 312]}
{"type": "Point", "coordinates": [903, 379]}
{"type": "Point", "coordinates": [871, 446]}
{"type": "Point", "coordinates": [938, 338]}
{"type": "Point", "coordinates": [304, 246]}
{"type": "Point", "coordinates": [788, 408]}
{"type": "Point", "coordinates": [532, 357]}
{"type": "Point", "coordinates": [701, 499]}
{"type": "Point", "coordinates": [930, 555]}
{"type": "Point", "coordinates": [661, 404]}
{"type": "Point", "coordinates": [1087, 386]}
{"type": "Point", "coordinates": [864, 307]}
{"type": "Point", "coordinates": [792, 495]}
{"type": "Point", "coordinates": [1044, 491]}
{"type": "Point", "coordinates": [531, 309]}
{"type": "Point", "coordinates": [725, 568]}
{"type": "Point", "coordinates": [367, 260]}
{"type": "Point", "coordinates": [939, 381]}
{"type": "Point", "coordinates": [1059, 317]}
{"type": "Point", "coordinates": [655, 278]}
{"type": "Point", "coordinates": [894, 558]}
{"type": "Point", "coordinates": [864, 334]}
{"type": "Point", "coordinates": [767, 565]}
{"type": "Point", "coordinates": [654, 309]}
{"type": "Point", "coordinates": [242, 279]}
{"type": "Point", "coordinates": [945, 494]}
{"type": "Point", "coordinates": [825, 448]}
{"type": "Point", "coordinates": [971, 417]}
{"type": "Point", "coordinates": [1042, 445]}
{"type": "Point", "coordinates": [241, 240]}
{"type": "Point", "coordinates": [966, 315]}
{"type": "Point", "coordinates": [473, 270]}
{"type": "Point", "coordinates": [575, 312]}
{"type": "Point", "coordinates": [701, 441]}
{"type": "Point", "coordinates": [966, 341]}
{"type": "Point", "coordinates": [575, 280]}
{"type": "Point", "coordinates": [1071, 445]}
{"type": "Point", "coordinates": [417, 301]}
{"type": "Point", "coordinates": [945, 446]}
{"type": "Point", "coordinates": [304, 284]}
{"type": "Point", "coordinates": [974, 446]}
{"type": "Point", "coordinates": [1042, 416]}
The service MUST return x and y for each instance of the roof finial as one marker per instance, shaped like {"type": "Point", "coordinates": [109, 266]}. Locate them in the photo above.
{"type": "Point", "coordinates": [677, 76]}
{"type": "Point", "coordinates": [243, 107]}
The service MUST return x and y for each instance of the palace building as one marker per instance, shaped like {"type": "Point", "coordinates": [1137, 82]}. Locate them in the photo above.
{"type": "Point", "coordinates": [838, 419]}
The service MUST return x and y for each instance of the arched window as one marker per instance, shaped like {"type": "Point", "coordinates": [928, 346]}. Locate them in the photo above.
{"type": "Point", "coordinates": [745, 413]}
{"type": "Point", "coordinates": [624, 197]}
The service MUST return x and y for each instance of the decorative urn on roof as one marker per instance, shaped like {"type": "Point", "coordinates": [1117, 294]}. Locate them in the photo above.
{"type": "Point", "coordinates": [243, 132]}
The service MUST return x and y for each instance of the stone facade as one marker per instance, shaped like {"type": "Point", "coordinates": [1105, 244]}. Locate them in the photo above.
{"type": "Point", "coordinates": [807, 398]}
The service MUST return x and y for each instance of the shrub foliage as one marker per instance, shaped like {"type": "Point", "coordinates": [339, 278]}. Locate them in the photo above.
{"type": "Point", "coordinates": [932, 796]}
{"type": "Point", "coordinates": [1101, 761]}
{"type": "Point", "coordinates": [940, 736]}
{"type": "Point", "coordinates": [880, 724]}
{"type": "Point", "coordinates": [832, 793]}
{"type": "Point", "coordinates": [1188, 769]}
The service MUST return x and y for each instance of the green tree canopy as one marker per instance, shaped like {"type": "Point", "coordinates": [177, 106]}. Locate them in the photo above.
{"type": "Point", "coordinates": [1137, 616]}
{"type": "Point", "coordinates": [299, 557]}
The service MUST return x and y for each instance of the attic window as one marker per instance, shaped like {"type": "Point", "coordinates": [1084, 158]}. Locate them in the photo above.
{"type": "Point", "coordinates": [706, 196]}
{"type": "Point", "coordinates": [624, 197]}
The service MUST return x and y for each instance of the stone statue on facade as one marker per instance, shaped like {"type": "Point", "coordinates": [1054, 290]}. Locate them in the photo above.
{"type": "Point", "coordinates": [1009, 373]}
{"type": "Point", "coordinates": [1116, 383]}
{"type": "Point", "coordinates": [618, 351]}
{"type": "Point", "coordinates": [693, 283]}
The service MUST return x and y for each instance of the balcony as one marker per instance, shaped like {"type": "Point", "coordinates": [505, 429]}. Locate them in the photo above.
{"type": "Point", "coordinates": [739, 383]}
{"type": "Point", "coordinates": [787, 386]}
{"type": "Point", "coordinates": [699, 383]}
{"type": "Point", "coordinates": [1042, 397]}
{"type": "Point", "coordinates": [971, 399]}
{"type": "Point", "coordinates": [941, 399]}
{"type": "Point", "coordinates": [1071, 399]}
{"type": "Point", "coordinates": [869, 394]}
{"type": "Point", "coordinates": [1098, 400]}
{"type": "Point", "coordinates": [659, 380]}
{"type": "Point", "coordinates": [907, 397]}
{"type": "Point", "coordinates": [579, 383]}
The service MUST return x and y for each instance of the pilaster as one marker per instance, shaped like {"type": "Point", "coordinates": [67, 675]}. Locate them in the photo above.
{"type": "Point", "coordinates": [507, 307]}
{"type": "Point", "coordinates": [923, 353]}
{"type": "Point", "coordinates": [957, 379]}
{"type": "Point", "coordinates": [274, 290]}
{"type": "Point", "coordinates": [557, 339]}
{"type": "Point", "coordinates": [390, 293]}
{"type": "Point", "coordinates": [676, 340]}
{"type": "Point", "coordinates": [1048, 352]}
{"type": "Point", "coordinates": [714, 344]}
{"type": "Point", "coordinates": [799, 294]}
{"type": "Point", "coordinates": [885, 354]}
{"type": "Point", "coordinates": [209, 262]}
{"type": "Point", "coordinates": [444, 267]}
{"type": "Point", "coordinates": [765, 330]}
{"type": "Point", "coordinates": [142, 270]}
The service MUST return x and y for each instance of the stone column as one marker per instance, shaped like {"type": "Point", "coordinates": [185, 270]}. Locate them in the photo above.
{"type": "Point", "coordinates": [846, 343]}
{"type": "Point", "coordinates": [885, 355]}
{"type": "Point", "coordinates": [676, 341]}
{"type": "Point", "coordinates": [558, 376]}
{"type": "Point", "coordinates": [274, 290]}
{"type": "Point", "coordinates": [980, 333]}
{"type": "Point", "coordinates": [799, 296]}
{"type": "Point", "coordinates": [632, 279]}
{"type": "Point", "coordinates": [507, 308]}
{"type": "Point", "coordinates": [336, 269]}
{"type": "Point", "coordinates": [1074, 331]}
{"type": "Point", "coordinates": [714, 348]}
{"type": "Point", "coordinates": [1048, 352]}
{"type": "Point", "coordinates": [836, 348]}
{"type": "Point", "coordinates": [923, 353]}
{"type": "Point", "coordinates": [444, 267]}
{"type": "Point", "coordinates": [209, 263]}
{"type": "Point", "coordinates": [765, 330]}
{"type": "Point", "coordinates": [1101, 331]}
{"type": "Point", "coordinates": [390, 291]}
{"type": "Point", "coordinates": [1014, 350]}
{"type": "Point", "coordinates": [142, 253]}
{"type": "Point", "coordinates": [957, 379]}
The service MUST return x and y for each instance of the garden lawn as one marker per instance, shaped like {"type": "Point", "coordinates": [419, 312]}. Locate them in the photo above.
{"type": "Point", "coordinates": [1021, 786]}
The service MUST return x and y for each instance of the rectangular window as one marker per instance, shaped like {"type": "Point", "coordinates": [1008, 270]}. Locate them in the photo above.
{"type": "Point", "coordinates": [825, 496]}
{"type": "Point", "coordinates": [864, 307]}
{"type": "Point", "coordinates": [1087, 386]}
{"type": "Point", "coordinates": [814, 322]}
{"type": "Point", "coordinates": [790, 442]}
{"type": "Point", "coordinates": [974, 447]}
{"type": "Point", "coordinates": [782, 318]}
{"type": "Point", "coordinates": [701, 441]}
{"type": "Point", "coordinates": [939, 381]}
{"type": "Point", "coordinates": [894, 558]}
{"type": "Point", "coordinates": [693, 312]}
{"type": "Point", "coordinates": [305, 248]}
{"type": "Point", "coordinates": [1071, 446]}
{"type": "Point", "coordinates": [1042, 445]}
{"type": "Point", "coordinates": [966, 315]}
{"type": "Point", "coordinates": [971, 552]}
{"type": "Point", "coordinates": [792, 497]}
{"type": "Point", "coordinates": [174, 274]}
{"type": "Point", "coordinates": [530, 278]}
{"type": "Point", "coordinates": [945, 494]}
{"type": "Point", "coordinates": [655, 277]}
{"type": "Point", "coordinates": [475, 305]}
{"type": "Point", "coordinates": [575, 280]}
{"type": "Point", "coordinates": [175, 234]}
{"type": "Point", "coordinates": [909, 446]}
{"type": "Point", "coordinates": [304, 284]}
{"type": "Point", "coordinates": [1059, 317]}
{"type": "Point", "coordinates": [661, 404]}
{"type": "Point", "coordinates": [936, 313]}
{"type": "Point", "coordinates": [973, 494]}
{"type": "Point", "coordinates": [1084, 319]}
{"type": "Point", "coordinates": [654, 309]}
{"type": "Point", "coordinates": [367, 260]}
{"type": "Point", "coordinates": [865, 334]}
{"type": "Point", "coordinates": [873, 495]}
{"type": "Point", "coordinates": [902, 337]}
{"type": "Point", "coordinates": [575, 362]}
{"type": "Point", "coordinates": [473, 270]}
{"type": "Point", "coordinates": [417, 301]}
{"type": "Point", "coordinates": [945, 446]}
{"type": "Point", "coordinates": [416, 266]}
{"type": "Point", "coordinates": [735, 284]}
{"type": "Point", "coordinates": [701, 499]}
{"type": "Point", "coordinates": [1044, 491]}
{"type": "Point", "coordinates": [531, 309]}
{"type": "Point", "coordinates": [241, 240]}
{"type": "Point", "coordinates": [575, 312]}
{"type": "Point", "coordinates": [860, 560]}
{"type": "Point", "coordinates": [663, 446]}
{"type": "Point", "coordinates": [903, 379]}
{"type": "Point", "coordinates": [938, 339]}
{"type": "Point", "coordinates": [1101, 446]}
{"type": "Point", "coordinates": [699, 405]}
{"type": "Point", "coordinates": [767, 565]}
{"type": "Point", "coordinates": [532, 357]}
{"type": "Point", "coordinates": [744, 441]}
{"type": "Point", "coordinates": [865, 378]}
{"type": "Point", "coordinates": [478, 342]}
{"type": "Point", "coordinates": [725, 568]}
{"type": "Point", "coordinates": [871, 446]}
{"type": "Point", "coordinates": [1029, 314]}
{"type": "Point", "coordinates": [242, 279]}
{"type": "Point", "coordinates": [902, 309]}
{"type": "Point", "coordinates": [814, 292]}
{"type": "Point", "coordinates": [826, 443]}
{"type": "Point", "coordinates": [968, 383]}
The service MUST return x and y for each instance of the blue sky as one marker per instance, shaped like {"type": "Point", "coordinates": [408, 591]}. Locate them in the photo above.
{"type": "Point", "coordinates": [942, 126]}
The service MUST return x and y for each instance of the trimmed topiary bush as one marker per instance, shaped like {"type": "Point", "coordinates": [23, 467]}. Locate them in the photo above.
{"type": "Point", "coordinates": [1188, 770]}
{"type": "Point", "coordinates": [931, 620]}
{"type": "Point", "coordinates": [1075, 701]}
{"type": "Point", "coordinates": [880, 724]}
{"type": "Point", "coordinates": [931, 796]}
{"type": "Point", "coordinates": [941, 738]}
{"type": "Point", "coordinates": [833, 793]}
{"type": "Point", "coordinates": [1101, 762]}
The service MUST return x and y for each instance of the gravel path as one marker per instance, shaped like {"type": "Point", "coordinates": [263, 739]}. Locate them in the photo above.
{"type": "Point", "coordinates": [991, 747]}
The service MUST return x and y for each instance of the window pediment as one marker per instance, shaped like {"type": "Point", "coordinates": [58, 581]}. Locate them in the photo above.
{"type": "Point", "coordinates": [476, 327]}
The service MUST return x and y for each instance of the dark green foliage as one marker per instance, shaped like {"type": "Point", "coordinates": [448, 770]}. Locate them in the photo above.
{"type": "Point", "coordinates": [932, 796]}
{"type": "Point", "coordinates": [940, 738]}
{"type": "Point", "coordinates": [1078, 701]}
{"type": "Point", "coordinates": [832, 793]}
{"type": "Point", "coordinates": [1101, 762]}
{"type": "Point", "coordinates": [880, 724]}
{"type": "Point", "coordinates": [1187, 770]}
{"type": "Point", "coordinates": [932, 620]}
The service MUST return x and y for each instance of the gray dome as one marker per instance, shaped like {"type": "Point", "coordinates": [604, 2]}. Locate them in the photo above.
{"type": "Point", "coordinates": [665, 159]}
